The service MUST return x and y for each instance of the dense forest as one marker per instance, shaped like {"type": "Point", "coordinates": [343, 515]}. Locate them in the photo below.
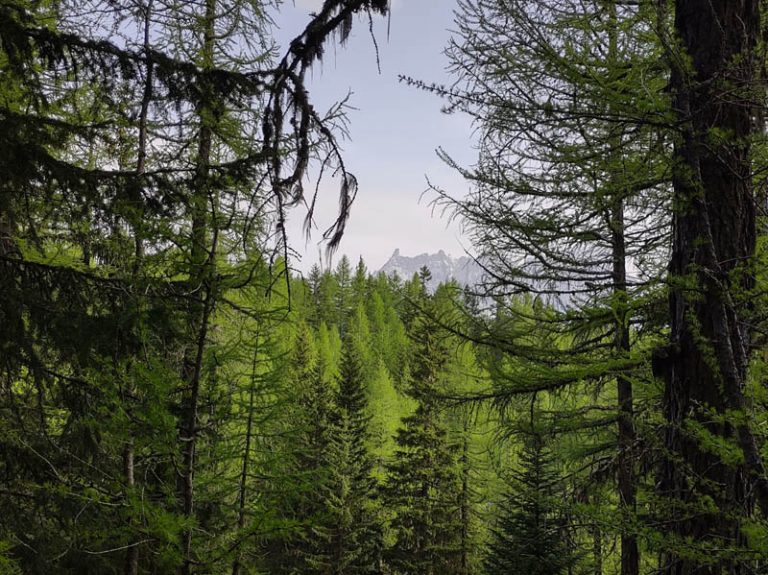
{"type": "Point", "coordinates": [175, 397]}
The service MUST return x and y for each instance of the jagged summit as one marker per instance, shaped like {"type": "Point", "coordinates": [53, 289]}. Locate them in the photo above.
{"type": "Point", "coordinates": [443, 267]}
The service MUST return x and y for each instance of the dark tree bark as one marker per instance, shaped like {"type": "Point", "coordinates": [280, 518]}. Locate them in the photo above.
{"type": "Point", "coordinates": [713, 244]}
{"type": "Point", "coordinates": [131, 566]}
{"type": "Point", "coordinates": [202, 253]}
{"type": "Point", "coordinates": [625, 474]}
{"type": "Point", "coordinates": [597, 549]}
{"type": "Point", "coordinates": [630, 554]}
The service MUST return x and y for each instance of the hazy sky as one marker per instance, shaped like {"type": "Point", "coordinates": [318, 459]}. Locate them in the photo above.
{"type": "Point", "coordinates": [394, 131]}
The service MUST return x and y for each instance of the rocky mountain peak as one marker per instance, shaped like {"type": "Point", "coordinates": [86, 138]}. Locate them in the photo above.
{"type": "Point", "coordinates": [442, 266]}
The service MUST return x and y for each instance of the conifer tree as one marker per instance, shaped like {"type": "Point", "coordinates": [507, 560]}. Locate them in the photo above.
{"type": "Point", "coordinates": [343, 301]}
{"type": "Point", "coordinates": [570, 198]}
{"type": "Point", "coordinates": [422, 487]}
{"type": "Point", "coordinates": [129, 248]}
{"type": "Point", "coordinates": [708, 493]}
{"type": "Point", "coordinates": [360, 284]}
{"type": "Point", "coordinates": [354, 534]}
{"type": "Point", "coordinates": [529, 536]}
{"type": "Point", "coordinates": [297, 546]}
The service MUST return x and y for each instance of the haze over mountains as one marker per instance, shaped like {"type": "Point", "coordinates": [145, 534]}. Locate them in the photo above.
{"type": "Point", "coordinates": [443, 267]}
{"type": "Point", "coordinates": [467, 272]}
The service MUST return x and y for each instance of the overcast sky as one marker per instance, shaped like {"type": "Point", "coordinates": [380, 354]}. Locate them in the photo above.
{"type": "Point", "coordinates": [394, 132]}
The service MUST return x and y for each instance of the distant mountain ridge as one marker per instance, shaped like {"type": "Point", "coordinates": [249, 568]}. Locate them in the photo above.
{"type": "Point", "coordinates": [443, 267]}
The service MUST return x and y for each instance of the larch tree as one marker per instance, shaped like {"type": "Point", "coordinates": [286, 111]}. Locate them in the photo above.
{"type": "Point", "coordinates": [570, 196]}
{"type": "Point", "coordinates": [717, 93]}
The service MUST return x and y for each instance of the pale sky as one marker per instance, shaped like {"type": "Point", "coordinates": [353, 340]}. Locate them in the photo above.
{"type": "Point", "coordinates": [394, 131]}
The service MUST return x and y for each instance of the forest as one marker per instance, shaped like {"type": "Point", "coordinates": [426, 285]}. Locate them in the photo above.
{"type": "Point", "coordinates": [177, 397]}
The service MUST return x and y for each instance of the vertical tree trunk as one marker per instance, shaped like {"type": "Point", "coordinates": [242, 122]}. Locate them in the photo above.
{"type": "Point", "coordinates": [200, 280]}
{"type": "Point", "coordinates": [597, 549]}
{"type": "Point", "coordinates": [131, 566]}
{"type": "Point", "coordinates": [7, 244]}
{"type": "Point", "coordinates": [465, 498]}
{"type": "Point", "coordinates": [189, 439]}
{"type": "Point", "coordinates": [132, 553]}
{"type": "Point", "coordinates": [630, 555]}
{"type": "Point", "coordinates": [242, 496]}
{"type": "Point", "coordinates": [713, 244]}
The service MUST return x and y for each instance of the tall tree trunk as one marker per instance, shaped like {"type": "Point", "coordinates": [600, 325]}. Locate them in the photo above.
{"type": "Point", "coordinates": [131, 566]}
{"type": "Point", "coordinates": [630, 555]}
{"type": "Point", "coordinates": [713, 245]}
{"type": "Point", "coordinates": [202, 252]}
{"type": "Point", "coordinates": [242, 496]}
{"type": "Point", "coordinates": [465, 509]}
{"type": "Point", "coordinates": [189, 439]}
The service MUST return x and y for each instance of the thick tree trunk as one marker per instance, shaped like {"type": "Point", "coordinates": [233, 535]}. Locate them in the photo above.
{"type": "Point", "coordinates": [713, 243]}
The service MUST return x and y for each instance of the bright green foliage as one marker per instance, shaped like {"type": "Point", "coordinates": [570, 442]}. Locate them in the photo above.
{"type": "Point", "coordinates": [387, 406]}
{"type": "Point", "coordinates": [174, 400]}
{"type": "Point", "coordinates": [329, 352]}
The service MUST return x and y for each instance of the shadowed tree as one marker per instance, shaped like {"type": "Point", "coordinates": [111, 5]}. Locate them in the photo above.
{"type": "Point", "coordinates": [569, 198]}
{"type": "Point", "coordinates": [134, 168]}
{"type": "Point", "coordinates": [529, 535]}
{"type": "Point", "coordinates": [717, 89]}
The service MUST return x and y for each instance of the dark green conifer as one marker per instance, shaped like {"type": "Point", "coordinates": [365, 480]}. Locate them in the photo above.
{"type": "Point", "coordinates": [423, 487]}
{"type": "Point", "coordinates": [343, 297]}
{"type": "Point", "coordinates": [296, 546]}
{"type": "Point", "coordinates": [354, 532]}
{"type": "Point", "coordinates": [529, 536]}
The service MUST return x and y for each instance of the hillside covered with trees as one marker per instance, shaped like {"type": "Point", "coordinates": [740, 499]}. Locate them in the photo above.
{"type": "Point", "coordinates": [175, 397]}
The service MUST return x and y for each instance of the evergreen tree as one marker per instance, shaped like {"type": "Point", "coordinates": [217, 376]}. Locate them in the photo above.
{"type": "Point", "coordinates": [305, 474]}
{"type": "Point", "coordinates": [423, 487]}
{"type": "Point", "coordinates": [326, 297]}
{"type": "Point", "coordinates": [528, 537]}
{"type": "Point", "coordinates": [708, 492]}
{"type": "Point", "coordinates": [355, 531]}
{"type": "Point", "coordinates": [570, 198]}
{"type": "Point", "coordinates": [360, 285]}
{"type": "Point", "coordinates": [422, 491]}
{"type": "Point", "coordinates": [128, 163]}
{"type": "Point", "coordinates": [344, 296]}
